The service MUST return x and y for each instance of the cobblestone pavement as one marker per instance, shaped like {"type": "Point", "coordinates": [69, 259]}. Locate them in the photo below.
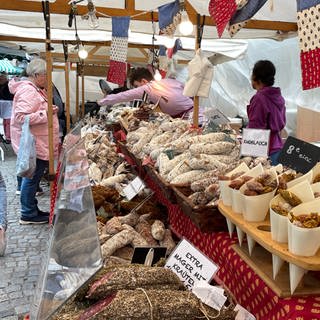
{"type": "Point", "coordinates": [27, 246]}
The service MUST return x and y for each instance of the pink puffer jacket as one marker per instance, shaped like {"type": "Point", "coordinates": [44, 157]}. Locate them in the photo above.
{"type": "Point", "coordinates": [30, 100]}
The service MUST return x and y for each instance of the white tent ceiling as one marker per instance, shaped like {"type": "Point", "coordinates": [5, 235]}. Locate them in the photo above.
{"type": "Point", "coordinates": [28, 25]}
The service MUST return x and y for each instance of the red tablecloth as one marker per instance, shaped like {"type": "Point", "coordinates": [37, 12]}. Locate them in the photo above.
{"type": "Point", "coordinates": [246, 286]}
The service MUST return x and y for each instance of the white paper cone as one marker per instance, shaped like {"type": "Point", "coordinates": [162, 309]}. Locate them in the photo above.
{"type": "Point", "coordinates": [251, 244]}
{"type": "Point", "coordinates": [279, 223]}
{"type": "Point", "coordinates": [240, 234]}
{"type": "Point", "coordinates": [230, 227]}
{"type": "Point", "coordinates": [304, 241]}
{"type": "Point", "coordinates": [279, 226]}
{"type": "Point", "coordinates": [278, 168]}
{"type": "Point", "coordinates": [256, 207]}
{"type": "Point", "coordinates": [276, 265]}
{"type": "Point", "coordinates": [315, 187]}
{"type": "Point", "coordinates": [225, 191]}
{"type": "Point", "coordinates": [315, 171]}
{"type": "Point", "coordinates": [303, 191]}
{"type": "Point", "coordinates": [237, 201]}
{"type": "Point", "coordinates": [307, 176]}
{"type": "Point", "coordinates": [296, 273]}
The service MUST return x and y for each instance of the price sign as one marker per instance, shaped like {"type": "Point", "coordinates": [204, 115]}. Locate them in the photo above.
{"type": "Point", "coordinates": [133, 188]}
{"type": "Point", "coordinates": [299, 155]}
{"type": "Point", "coordinates": [190, 264]}
{"type": "Point", "coordinates": [255, 142]}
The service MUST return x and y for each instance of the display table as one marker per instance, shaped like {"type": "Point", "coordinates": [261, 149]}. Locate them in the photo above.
{"type": "Point", "coordinates": [247, 287]}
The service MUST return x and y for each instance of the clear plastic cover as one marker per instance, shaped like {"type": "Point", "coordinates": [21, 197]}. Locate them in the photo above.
{"type": "Point", "coordinates": [74, 253]}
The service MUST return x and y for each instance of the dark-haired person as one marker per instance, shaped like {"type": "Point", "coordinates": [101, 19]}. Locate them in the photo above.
{"type": "Point", "coordinates": [6, 96]}
{"type": "Point", "coordinates": [267, 107]}
{"type": "Point", "coordinates": [169, 93]}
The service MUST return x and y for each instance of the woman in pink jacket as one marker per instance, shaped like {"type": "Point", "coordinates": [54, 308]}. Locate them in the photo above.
{"type": "Point", "coordinates": [30, 99]}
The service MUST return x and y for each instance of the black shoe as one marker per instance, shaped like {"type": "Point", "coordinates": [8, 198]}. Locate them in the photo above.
{"type": "Point", "coordinates": [43, 213]}
{"type": "Point", "coordinates": [35, 220]}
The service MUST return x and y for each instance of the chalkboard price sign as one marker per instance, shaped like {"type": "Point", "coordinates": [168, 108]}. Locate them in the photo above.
{"type": "Point", "coordinates": [299, 155]}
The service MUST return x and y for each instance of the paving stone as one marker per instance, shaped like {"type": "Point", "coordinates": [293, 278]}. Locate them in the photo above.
{"type": "Point", "coordinates": [27, 245]}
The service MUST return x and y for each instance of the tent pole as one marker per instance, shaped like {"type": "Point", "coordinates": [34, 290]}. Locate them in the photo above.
{"type": "Point", "coordinates": [82, 93]}
{"type": "Point", "coordinates": [66, 73]}
{"type": "Point", "coordinates": [196, 98]}
{"type": "Point", "coordinates": [77, 95]}
{"type": "Point", "coordinates": [46, 10]}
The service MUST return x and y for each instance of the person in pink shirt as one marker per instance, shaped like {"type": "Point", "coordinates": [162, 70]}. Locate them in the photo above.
{"type": "Point", "coordinates": [30, 99]}
{"type": "Point", "coordinates": [169, 93]}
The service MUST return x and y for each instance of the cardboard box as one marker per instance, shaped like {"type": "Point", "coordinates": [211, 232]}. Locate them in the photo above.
{"type": "Point", "coordinates": [308, 128]}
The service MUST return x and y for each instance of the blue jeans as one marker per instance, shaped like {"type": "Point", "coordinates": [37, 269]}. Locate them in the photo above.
{"type": "Point", "coordinates": [3, 203]}
{"type": "Point", "coordinates": [274, 157]}
{"type": "Point", "coordinates": [19, 182]}
{"type": "Point", "coordinates": [29, 203]}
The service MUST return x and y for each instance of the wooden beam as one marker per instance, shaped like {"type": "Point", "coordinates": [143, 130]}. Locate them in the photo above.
{"type": "Point", "coordinates": [145, 54]}
{"type": "Point", "coordinates": [73, 42]}
{"type": "Point", "coordinates": [94, 50]}
{"type": "Point", "coordinates": [130, 5]}
{"type": "Point", "coordinates": [92, 70]}
{"type": "Point", "coordinates": [252, 24]}
{"type": "Point", "coordinates": [62, 68]}
{"type": "Point", "coordinates": [62, 7]}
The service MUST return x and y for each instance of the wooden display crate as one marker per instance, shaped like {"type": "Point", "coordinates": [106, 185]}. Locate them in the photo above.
{"type": "Point", "coordinates": [206, 218]}
{"type": "Point", "coordinates": [135, 161]}
{"type": "Point", "coordinates": [164, 186]}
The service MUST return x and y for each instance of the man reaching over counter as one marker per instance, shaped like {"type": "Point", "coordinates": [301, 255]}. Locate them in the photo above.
{"type": "Point", "coordinates": [169, 93]}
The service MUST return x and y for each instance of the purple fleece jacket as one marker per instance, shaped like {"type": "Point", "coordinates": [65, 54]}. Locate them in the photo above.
{"type": "Point", "coordinates": [267, 111]}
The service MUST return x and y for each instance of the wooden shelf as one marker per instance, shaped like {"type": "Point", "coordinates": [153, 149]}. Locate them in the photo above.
{"type": "Point", "coordinates": [261, 233]}
{"type": "Point", "coordinates": [260, 262]}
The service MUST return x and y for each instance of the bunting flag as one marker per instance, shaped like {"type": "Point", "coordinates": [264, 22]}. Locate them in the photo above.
{"type": "Point", "coordinates": [221, 11]}
{"type": "Point", "coordinates": [169, 17]}
{"type": "Point", "coordinates": [242, 15]}
{"type": "Point", "coordinates": [118, 52]}
{"type": "Point", "coordinates": [309, 42]}
{"type": "Point", "coordinates": [163, 61]}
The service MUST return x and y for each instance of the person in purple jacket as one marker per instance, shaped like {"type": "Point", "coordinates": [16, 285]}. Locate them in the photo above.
{"type": "Point", "coordinates": [267, 107]}
{"type": "Point", "coordinates": [169, 93]}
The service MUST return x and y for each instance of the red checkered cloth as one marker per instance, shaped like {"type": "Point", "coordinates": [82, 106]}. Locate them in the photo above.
{"type": "Point", "coordinates": [221, 11]}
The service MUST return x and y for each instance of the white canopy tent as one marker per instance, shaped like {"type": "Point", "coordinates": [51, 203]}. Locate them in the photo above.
{"type": "Point", "coordinates": [231, 88]}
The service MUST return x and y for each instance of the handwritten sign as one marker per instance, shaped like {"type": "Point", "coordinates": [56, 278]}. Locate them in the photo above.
{"type": "Point", "coordinates": [216, 116]}
{"type": "Point", "coordinates": [299, 155]}
{"type": "Point", "coordinates": [133, 188]}
{"type": "Point", "coordinates": [255, 142]}
{"type": "Point", "coordinates": [190, 265]}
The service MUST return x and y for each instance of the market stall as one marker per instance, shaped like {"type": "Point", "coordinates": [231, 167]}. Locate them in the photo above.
{"type": "Point", "coordinates": [152, 144]}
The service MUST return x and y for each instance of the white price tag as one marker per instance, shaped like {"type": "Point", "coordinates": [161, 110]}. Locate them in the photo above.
{"type": "Point", "coordinates": [190, 264]}
{"type": "Point", "coordinates": [210, 295]}
{"type": "Point", "coordinates": [243, 314]}
{"type": "Point", "coordinates": [255, 142]}
{"type": "Point", "coordinates": [133, 188]}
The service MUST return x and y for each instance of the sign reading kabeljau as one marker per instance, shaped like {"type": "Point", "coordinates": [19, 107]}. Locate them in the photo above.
{"type": "Point", "coordinates": [255, 142]}
{"type": "Point", "coordinates": [299, 155]}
